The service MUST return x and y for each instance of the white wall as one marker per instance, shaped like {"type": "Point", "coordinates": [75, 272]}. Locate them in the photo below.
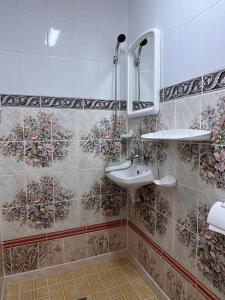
{"type": "Point", "coordinates": [80, 62]}
{"type": "Point", "coordinates": [192, 34]}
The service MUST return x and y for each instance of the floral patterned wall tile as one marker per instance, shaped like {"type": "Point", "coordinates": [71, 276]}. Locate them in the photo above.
{"type": "Point", "coordinates": [113, 206]}
{"type": "Point", "coordinates": [69, 215]}
{"type": "Point", "coordinates": [11, 126]}
{"type": "Point", "coordinates": [7, 263]}
{"type": "Point", "coordinates": [186, 164]}
{"type": "Point", "coordinates": [10, 162]}
{"type": "Point", "coordinates": [166, 157]}
{"type": "Point", "coordinates": [11, 186]}
{"type": "Point", "coordinates": [38, 206]}
{"type": "Point", "coordinates": [210, 267]}
{"type": "Point", "coordinates": [132, 241]}
{"type": "Point", "coordinates": [167, 114]}
{"type": "Point", "coordinates": [75, 248]}
{"type": "Point", "coordinates": [65, 186]}
{"type": "Point", "coordinates": [97, 139]}
{"type": "Point", "coordinates": [89, 182]}
{"type": "Point", "coordinates": [152, 262]}
{"type": "Point", "coordinates": [188, 112]}
{"type": "Point", "coordinates": [206, 201]}
{"type": "Point", "coordinates": [90, 210]}
{"type": "Point", "coordinates": [213, 109]}
{"type": "Point", "coordinates": [134, 210]}
{"type": "Point", "coordinates": [23, 259]}
{"type": "Point", "coordinates": [193, 294]}
{"type": "Point", "coordinates": [65, 155]}
{"type": "Point", "coordinates": [97, 243]}
{"type": "Point", "coordinates": [88, 122]}
{"type": "Point", "coordinates": [134, 124]}
{"type": "Point", "coordinates": [64, 124]}
{"type": "Point", "coordinates": [212, 170]}
{"type": "Point", "coordinates": [117, 238]}
{"type": "Point", "coordinates": [37, 124]}
{"type": "Point", "coordinates": [146, 206]}
{"type": "Point", "coordinates": [185, 245]}
{"type": "Point", "coordinates": [144, 254]}
{"type": "Point", "coordinates": [185, 207]}
{"type": "Point", "coordinates": [176, 286]}
{"type": "Point", "coordinates": [164, 235]}
{"type": "Point", "coordinates": [90, 154]}
{"type": "Point", "coordinates": [38, 154]}
{"type": "Point", "coordinates": [1, 264]}
{"type": "Point", "coordinates": [50, 253]}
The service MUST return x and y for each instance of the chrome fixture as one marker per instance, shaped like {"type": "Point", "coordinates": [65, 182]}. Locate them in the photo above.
{"type": "Point", "coordinates": [137, 64]}
{"type": "Point", "coordinates": [132, 157]}
{"type": "Point", "coordinates": [120, 39]}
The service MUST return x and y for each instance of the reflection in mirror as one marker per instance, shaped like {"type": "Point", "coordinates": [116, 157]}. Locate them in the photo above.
{"type": "Point", "coordinates": [143, 76]}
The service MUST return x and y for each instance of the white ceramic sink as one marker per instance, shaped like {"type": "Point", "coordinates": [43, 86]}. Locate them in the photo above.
{"type": "Point", "coordinates": [134, 177]}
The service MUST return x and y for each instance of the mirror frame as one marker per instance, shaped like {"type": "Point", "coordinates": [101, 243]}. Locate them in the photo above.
{"type": "Point", "coordinates": [153, 110]}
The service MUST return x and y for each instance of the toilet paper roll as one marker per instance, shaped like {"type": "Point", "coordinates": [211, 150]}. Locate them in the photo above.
{"type": "Point", "coordinates": [211, 227]}
{"type": "Point", "coordinates": [216, 217]}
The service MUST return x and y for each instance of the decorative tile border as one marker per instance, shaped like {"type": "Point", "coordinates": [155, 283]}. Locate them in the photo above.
{"type": "Point", "coordinates": [141, 104]}
{"type": "Point", "coordinates": [60, 102]}
{"type": "Point", "coordinates": [20, 100]}
{"type": "Point", "coordinates": [195, 86]}
{"type": "Point", "coordinates": [62, 234]}
{"type": "Point", "coordinates": [183, 89]}
{"type": "Point", "coordinates": [173, 263]}
{"type": "Point", "coordinates": [214, 81]}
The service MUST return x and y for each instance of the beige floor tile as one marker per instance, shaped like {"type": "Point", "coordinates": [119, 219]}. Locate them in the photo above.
{"type": "Point", "coordinates": [40, 282]}
{"type": "Point", "coordinates": [66, 276]}
{"type": "Point", "coordinates": [12, 297]}
{"type": "Point", "coordinates": [54, 279]}
{"type": "Point", "coordinates": [68, 285]}
{"type": "Point", "coordinates": [55, 289]}
{"type": "Point", "coordinates": [93, 278]}
{"type": "Point", "coordinates": [145, 293]}
{"type": "Point", "coordinates": [97, 287]}
{"type": "Point", "coordinates": [57, 297]}
{"type": "Point", "coordinates": [127, 288]}
{"type": "Point", "coordinates": [132, 296]}
{"type": "Point", "coordinates": [131, 276]}
{"type": "Point", "coordinates": [116, 272]}
{"type": "Point", "coordinates": [80, 282]}
{"type": "Point", "coordinates": [12, 288]}
{"type": "Point", "coordinates": [105, 274]}
{"type": "Point", "coordinates": [121, 280]}
{"type": "Point", "coordinates": [114, 280]}
{"type": "Point", "coordinates": [101, 296]}
{"type": "Point", "coordinates": [114, 293]}
{"type": "Point", "coordinates": [113, 264]}
{"type": "Point", "coordinates": [78, 273]}
{"type": "Point", "coordinates": [101, 267]}
{"type": "Point", "coordinates": [40, 293]}
{"type": "Point", "coordinates": [139, 284]}
{"type": "Point", "coordinates": [26, 286]}
{"type": "Point", "coordinates": [29, 295]}
{"type": "Point", "coordinates": [109, 283]}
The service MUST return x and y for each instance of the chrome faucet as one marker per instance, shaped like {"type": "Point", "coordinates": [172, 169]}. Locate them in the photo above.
{"type": "Point", "coordinates": [132, 157]}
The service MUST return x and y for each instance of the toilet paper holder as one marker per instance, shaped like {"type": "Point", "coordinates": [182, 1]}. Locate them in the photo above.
{"type": "Point", "coordinates": [216, 217]}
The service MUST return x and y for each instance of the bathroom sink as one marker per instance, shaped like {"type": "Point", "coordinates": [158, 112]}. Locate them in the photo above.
{"type": "Point", "coordinates": [134, 177]}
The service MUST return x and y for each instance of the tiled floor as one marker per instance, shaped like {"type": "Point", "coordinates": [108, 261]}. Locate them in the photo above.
{"type": "Point", "coordinates": [115, 280]}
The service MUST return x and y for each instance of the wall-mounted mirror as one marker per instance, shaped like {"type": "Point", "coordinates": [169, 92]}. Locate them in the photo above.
{"type": "Point", "coordinates": [144, 75]}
